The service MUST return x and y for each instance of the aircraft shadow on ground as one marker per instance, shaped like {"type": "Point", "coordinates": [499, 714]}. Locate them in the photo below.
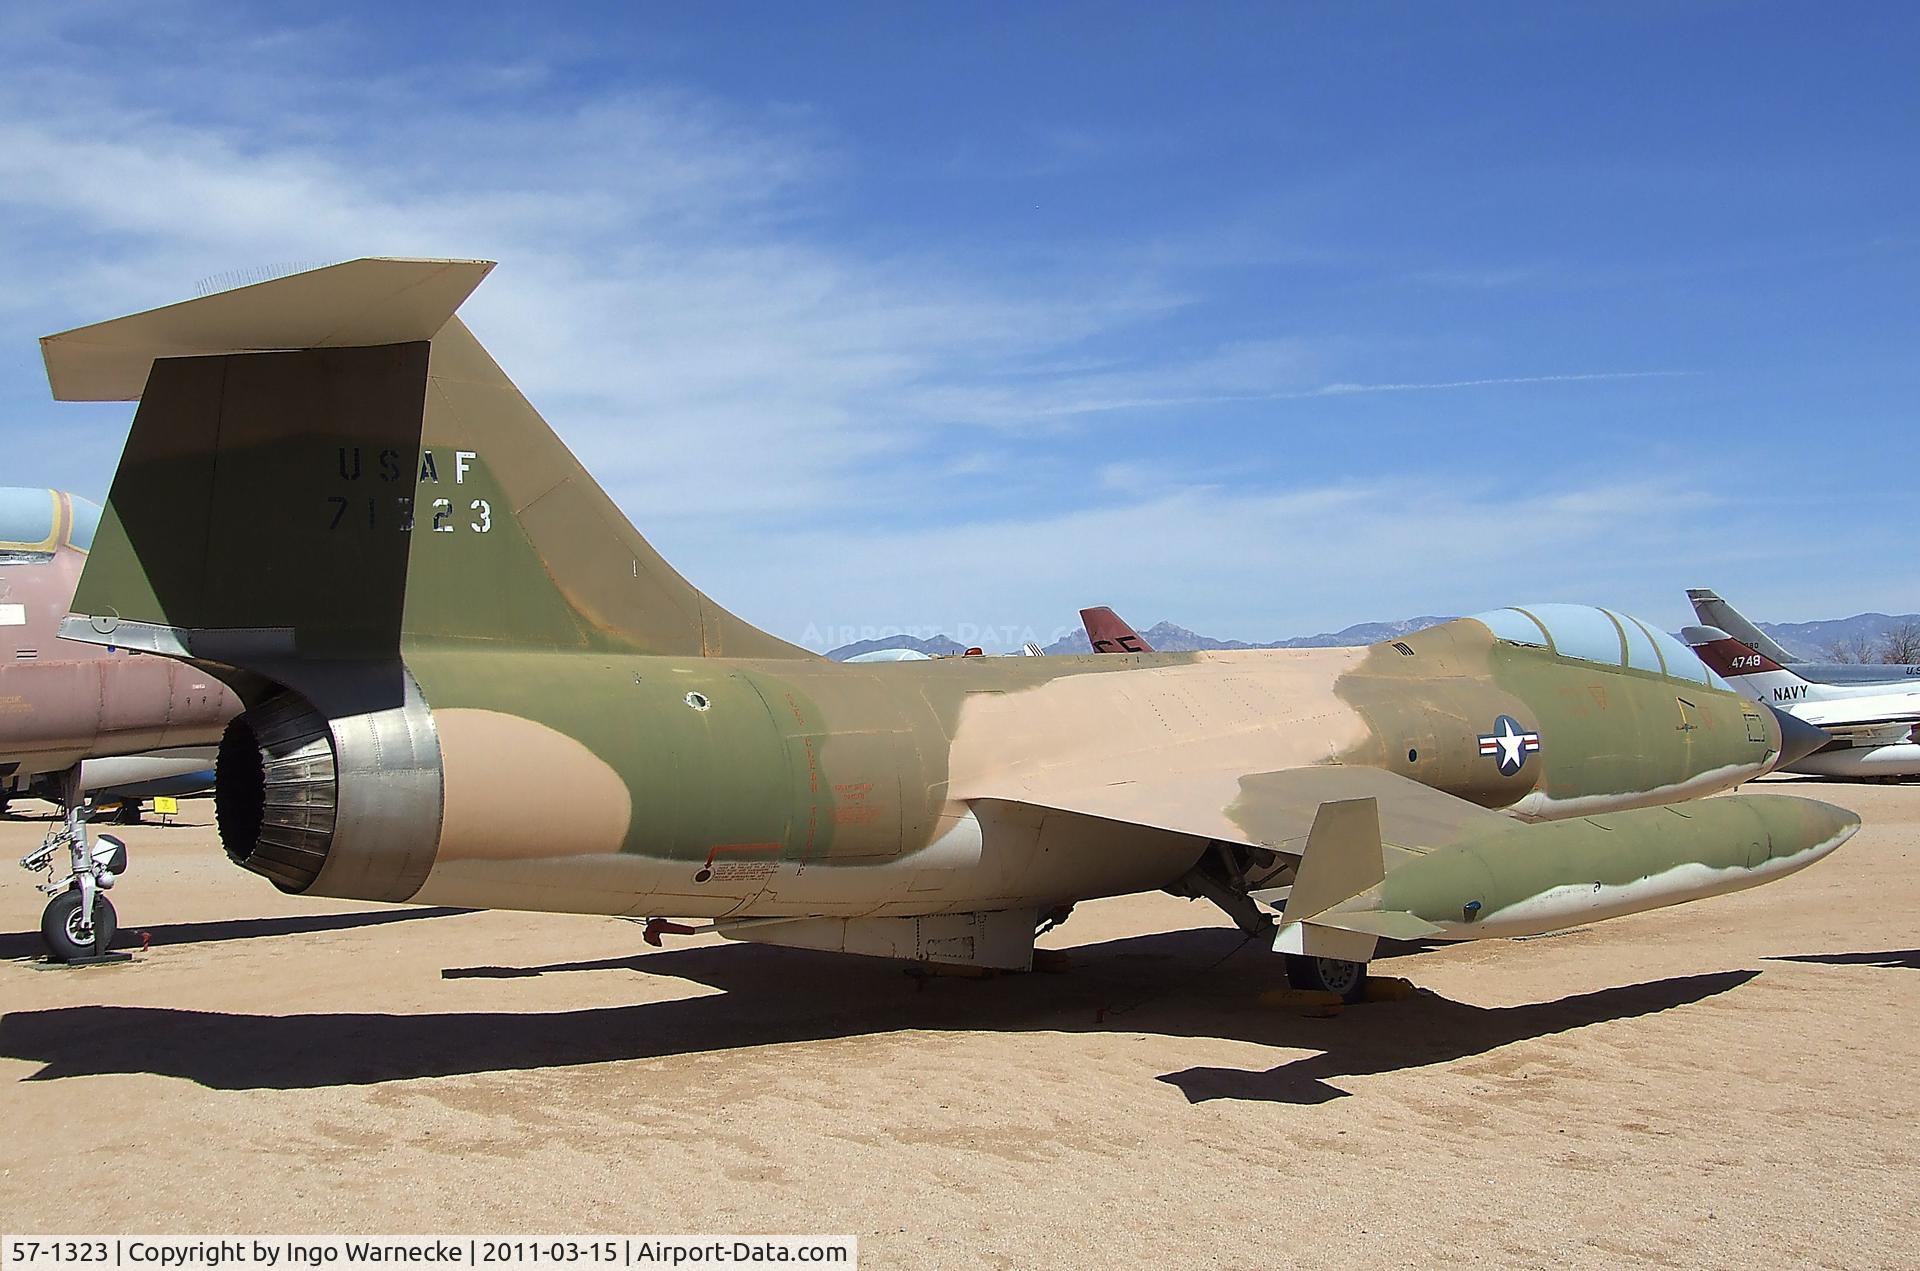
{"type": "Point", "coordinates": [1908, 958]}
{"type": "Point", "coordinates": [1196, 983]}
{"type": "Point", "coordinates": [27, 944]}
{"type": "Point", "coordinates": [1438, 1030]}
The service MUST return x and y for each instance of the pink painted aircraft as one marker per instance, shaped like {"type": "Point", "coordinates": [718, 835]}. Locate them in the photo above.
{"type": "Point", "coordinates": [86, 722]}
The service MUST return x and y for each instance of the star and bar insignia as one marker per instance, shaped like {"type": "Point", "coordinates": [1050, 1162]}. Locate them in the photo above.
{"type": "Point", "coordinates": [1509, 744]}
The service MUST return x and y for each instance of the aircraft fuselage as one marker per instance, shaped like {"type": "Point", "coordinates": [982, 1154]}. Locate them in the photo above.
{"type": "Point", "coordinates": [720, 787]}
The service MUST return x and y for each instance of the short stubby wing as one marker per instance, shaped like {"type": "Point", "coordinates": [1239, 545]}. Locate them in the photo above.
{"type": "Point", "coordinates": [1268, 810]}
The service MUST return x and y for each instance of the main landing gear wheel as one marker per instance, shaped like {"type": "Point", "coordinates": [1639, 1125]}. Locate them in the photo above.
{"type": "Point", "coordinates": [1328, 975]}
{"type": "Point", "coordinates": [67, 940]}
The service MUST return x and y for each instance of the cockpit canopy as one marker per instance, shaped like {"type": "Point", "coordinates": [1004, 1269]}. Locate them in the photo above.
{"type": "Point", "coordinates": [1591, 634]}
{"type": "Point", "coordinates": [34, 524]}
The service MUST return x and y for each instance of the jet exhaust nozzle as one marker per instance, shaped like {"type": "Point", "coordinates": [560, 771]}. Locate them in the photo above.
{"type": "Point", "coordinates": [343, 805]}
{"type": "Point", "coordinates": [277, 792]}
{"type": "Point", "coordinates": [1798, 738]}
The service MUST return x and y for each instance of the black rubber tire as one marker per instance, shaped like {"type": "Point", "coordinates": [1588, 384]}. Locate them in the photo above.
{"type": "Point", "coordinates": [128, 813]}
{"type": "Point", "coordinates": [1328, 975]}
{"type": "Point", "coordinates": [56, 927]}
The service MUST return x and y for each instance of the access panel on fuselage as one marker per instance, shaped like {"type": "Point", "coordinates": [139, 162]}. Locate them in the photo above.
{"type": "Point", "coordinates": [853, 775]}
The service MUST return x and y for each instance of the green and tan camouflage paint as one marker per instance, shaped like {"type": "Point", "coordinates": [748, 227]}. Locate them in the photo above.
{"type": "Point", "coordinates": [340, 522]}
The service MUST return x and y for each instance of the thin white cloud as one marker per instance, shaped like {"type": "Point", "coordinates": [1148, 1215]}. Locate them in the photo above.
{"type": "Point", "coordinates": [1582, 377]}
{"type": "Point", "coordinates": [1481, 279]}
{"type": "Point", "coordinates": [1118, 392]}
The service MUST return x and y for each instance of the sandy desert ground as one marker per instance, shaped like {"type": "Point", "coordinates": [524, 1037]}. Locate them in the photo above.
{"type": "Point", "coordinates": [1728, 1083]}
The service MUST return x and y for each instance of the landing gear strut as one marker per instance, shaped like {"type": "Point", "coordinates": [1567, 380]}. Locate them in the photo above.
{"type": "Point", "coordinates": [79, 922]}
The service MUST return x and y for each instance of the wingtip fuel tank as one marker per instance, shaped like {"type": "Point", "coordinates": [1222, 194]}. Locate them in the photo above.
{"type": "Point", "coordinates": [1523, 881]}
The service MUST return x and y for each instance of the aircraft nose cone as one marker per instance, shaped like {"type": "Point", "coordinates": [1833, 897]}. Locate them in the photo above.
{"type": "Point", "coordinates": [1798, 738]}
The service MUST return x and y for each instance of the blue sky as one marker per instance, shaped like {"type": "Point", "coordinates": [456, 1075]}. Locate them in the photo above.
{"type": "Point", "coordinates": [1267, 319]}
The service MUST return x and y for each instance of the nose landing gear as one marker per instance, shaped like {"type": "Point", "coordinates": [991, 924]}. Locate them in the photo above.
{"type": "Point", "coordinates": [71, 935]}
{"type": "Point", "coordinates": [78, 924]}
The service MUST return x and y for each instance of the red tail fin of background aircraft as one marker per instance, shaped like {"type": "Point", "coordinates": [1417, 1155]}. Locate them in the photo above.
{"type": "Point", "coordinates": [1728, 655]}
{"type": "Point", "coordinates": [1108, 632]}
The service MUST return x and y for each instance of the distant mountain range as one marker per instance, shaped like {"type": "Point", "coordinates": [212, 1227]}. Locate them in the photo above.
{"type": "Point", "coordinates": [1812, 640]}
{"type": "Point", "coordinates": [1816, 641]}
{"type": "Point", "coordinates": [1167, 638]}
{"type": "Point", "coordinates": [1163, 636]}
{"type": "Point", "coordinates": [938, 646]}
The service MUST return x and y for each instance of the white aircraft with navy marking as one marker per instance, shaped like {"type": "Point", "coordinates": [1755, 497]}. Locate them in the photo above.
{"type": "Point", "coordinates": [1872, 712]}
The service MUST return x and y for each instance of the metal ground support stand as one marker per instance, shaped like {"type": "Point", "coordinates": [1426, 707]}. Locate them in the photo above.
{"type": "Point", "coordinates": [79, 922]}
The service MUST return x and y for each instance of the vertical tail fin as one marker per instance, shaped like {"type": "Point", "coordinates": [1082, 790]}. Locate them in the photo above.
{"type": "Point", "coordinates": [1715, 612]}
{"type": "Point", "coordinates": [1108, 632]}
{"type": "Point", "coordinates": [1342, 860]}
{"type": "Point", "coordinates": [329, 465]}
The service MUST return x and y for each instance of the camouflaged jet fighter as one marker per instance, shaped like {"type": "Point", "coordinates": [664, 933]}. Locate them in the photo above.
{"type": "Point", "coordinates": [334, 499]}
